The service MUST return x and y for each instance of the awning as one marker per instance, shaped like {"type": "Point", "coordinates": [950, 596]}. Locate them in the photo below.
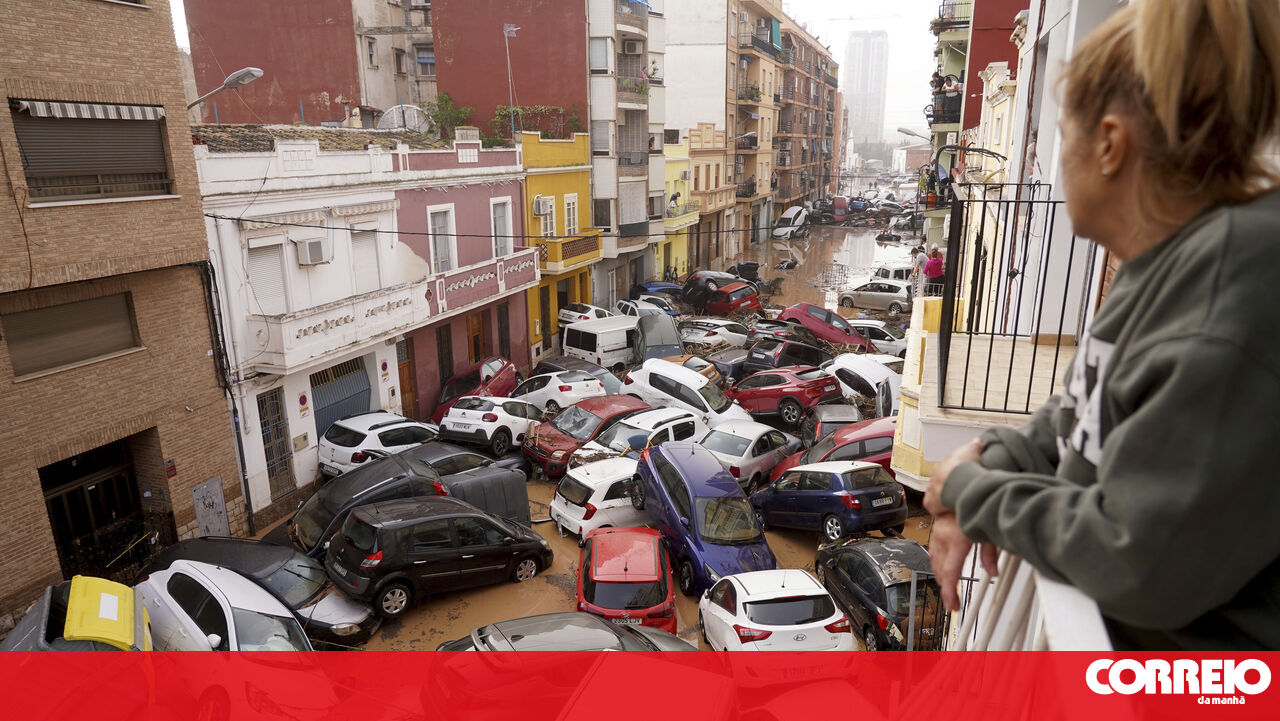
{"type": "Point", "coordinates": [88, 111]}
{"type": "Point", "coordinates": [641, 2]}
{"type": "Point", "coordinates": [754, 116]}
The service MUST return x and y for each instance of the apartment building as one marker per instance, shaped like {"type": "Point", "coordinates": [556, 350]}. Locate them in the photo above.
{"type": "Point", "coordinates": [810, 112]}
{"type": "Point", "coordinates": [325, 62]}
{"type": "Point", "coordinates": [116, 428]}
{"type": "Point", "coordinates": [682, 208]}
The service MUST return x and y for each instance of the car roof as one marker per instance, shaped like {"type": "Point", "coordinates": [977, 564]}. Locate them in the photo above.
{"type": "Point", "coordinates": [702, 470]}
{"type": "Point", "coordinates": [404, 510]}
{"type": "Point", "coordinates": [605, 472]}
{"type": "Point", "coordinates": [570, 363]}
{"type": "Point", "coordinates": [735, 286]}
{"type": "Point", "coordinates": [249, 556]}
{"type": "Point", "coordinates": [366, 422]}
{"type": "Point", "coordinates": [890, 281]}
{"type": "Point", "coordinates": [835, 412]}
{"type": "Point", "coordinates": [894, 558]}
{"type": "Point", "coordinates": [239, 591]}
{"type": "Point", "coordinates": [866, 429]}
{"type": "Point", "coordinates": [608, 406]}
{"type": "Point", "coordinates": [835, 466]}
{"type": "Point", "coordinates": [360, 480]}
{"type": "Point", "coordinates": [875, 371]}
{"type": "Point", "coordinates": [867, 322]}
{"type": "Point", "coordinates": [625, 555]}
{"type": "Point", "coordinates": [604, 325]}
{"type": "Point", "coordinates": [655, 417]}
{"type": "Point", "coordinates": [432, 451]}
{"type": "Point", "coordinates": [685, 376]}
{"type": "Point", "coordinates": [564, 631]}
{"type": "Point", "coordinates": [777, 583]}
{"type": "Point", "coordinates": [744, 429]}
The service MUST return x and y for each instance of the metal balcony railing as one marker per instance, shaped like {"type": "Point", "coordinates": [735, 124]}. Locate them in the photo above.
{"type": "Point", "coordinates": [758, 43]}
{"type": "Point", "coordinates": [635, 14]}
{"type": "Point", "coordinates": [945, 108]}
{"type": "Point", "coordinates": [750, 93]}
{"type": "Point", "coordinates": [954, 15]}
{"type": "Point", "coordinates": [746, 190]}
{"type": "Point", "coordinates": [633, 157]}
{"type": "Point", "coordinates": [675, 211]}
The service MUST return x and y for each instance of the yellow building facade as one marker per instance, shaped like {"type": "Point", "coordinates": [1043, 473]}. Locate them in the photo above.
{"type": "Point", "coordinates": [557, 216]}
{"type": "Point", "coordinates": [680, 215]}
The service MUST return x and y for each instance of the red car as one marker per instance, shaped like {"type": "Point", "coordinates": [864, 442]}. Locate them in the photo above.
{"type": "Point", "coordinates": [826, 325]}
{"type": "Point", "coordinates": [787, 392]}
{"type": "Point", "coordinates": [494, 376]}
{"type": "Point", "coordinates": [735, 296]}
{"type": "Point", "coordinates": [624, 576]}
{"type": "Point", "coordinates": [863, 441]}
{"type": "Point", "coordinates": [552, 443]}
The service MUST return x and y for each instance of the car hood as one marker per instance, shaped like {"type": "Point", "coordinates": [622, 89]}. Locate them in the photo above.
{"type": "Point", "coordinates": [734, 412]}
{"type": "Point", "coordinates": [335, 607]}
{"type": "Point", "coordinates": [790, 461]}
{"type": "Point", "coordinates": [554, 439]}
{"type": "Point", "coordinates": [728, 560]}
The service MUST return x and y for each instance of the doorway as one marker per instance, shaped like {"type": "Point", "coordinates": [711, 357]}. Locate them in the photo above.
{"type": "Point", "coordinates": [408, 380]}
{"type": "Point", "coordinates": [475, 337]}
{"type": "Point", "coordinates": [275, 442]}
{"type": "Point", "coordinates": [544, 313]}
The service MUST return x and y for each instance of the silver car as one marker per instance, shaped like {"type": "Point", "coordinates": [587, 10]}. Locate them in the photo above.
{"type": "Point", "coordinates": [880, 294]}
{"type": "Point", "coordinates": [749, 450]}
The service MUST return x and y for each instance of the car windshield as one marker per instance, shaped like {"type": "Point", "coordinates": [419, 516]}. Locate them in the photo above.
{"type": "Point", "coordinates": [791, 611]}
{"type": "Point", "coordinates": [312, 520]}
{"type": "Point", "coordinates": [812, 375]}
{"type": "Point", "coordinates": [714, 397]}
{"type": "Point", "coordinates": [899, 597]}
{"type": "Point", "coordinates": [298, 581]}
{"type": "Point", "coordinates": [866, 478]}
{"type": "Point", "coordinates": [727, 521]}
{"type": "Point", "coordinates": [893, 331]}
{"type": "Point", "coordinates": [574, 491]}
{"type": "Point", "coordinates": [577, 423]}
{"type": "Point", "coordinates": [460, 386]}
{"type": "Point", "coordinates": [418, 466]}
{"type": "Point", "coordinates": [820, 449]}
{"type": "Point", "coordinates": [263, 632]}
{"type": "Point", "coordinates": [623, 595]}
{"type": "Point", "coordinates": [726, 443]}
{"type": "Point", "coordinates": [625, 433]}
{"type": "Point", "coordinates": [343, 436]}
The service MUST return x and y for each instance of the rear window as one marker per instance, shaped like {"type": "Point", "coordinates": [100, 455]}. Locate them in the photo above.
{"type": "Point", "coordinates": [574, 491]}
{"type": "Point", "coordinates": [576, 377]}
{"type": "Point", "coordinates": [866, 478]}
{"type": "Point", "coordinates": [813, 375]}
{"type": "Point", "coordinates": [359, 534]}
{"type": "Point", "coordinates": [726, 443]}
{"type": "Point", "coordinates": [575, 338]}
{"type": "Point", "coordinates": [765, 347]}
{"type": "Point", "coordinates": [460, 386]}
{"type": "Point", "coordinates": [343, 436]}
{"type": "Point", "coordinates": [473, 404]}
{"type": "Point", "coordinates": [576, 308]}
{"type": "Point", "coordinates": [624, 595]}
{"type": "Point", "coordinates": [790, 611]}
{"type": "Point", "coordinates": [696, 363]}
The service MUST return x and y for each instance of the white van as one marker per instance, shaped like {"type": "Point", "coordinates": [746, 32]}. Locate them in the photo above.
{"type": "Point", "coordinates": [607, 342]}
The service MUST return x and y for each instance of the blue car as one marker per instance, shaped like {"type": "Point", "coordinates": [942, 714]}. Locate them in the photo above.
{"type": "Point", "coordinates": [833, 497]}
{"type": "Point", "coordinates": [706, 520]}
{"type": "Point", "coordinates": [657, 287]}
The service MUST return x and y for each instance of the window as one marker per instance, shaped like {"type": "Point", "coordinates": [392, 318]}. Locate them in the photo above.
{"type": "Point", "coordinates": [599, 52]}
{"type": "Point", "coordinates": [364, 260]}
{"type": "Point", "coordinates": [432, 535]}
{"type": "Point", "coordinates": [442, 254]}
{"type": "Point", "coordinates": [549, 220]}
{"type": "Point", "coordinates": [671, 136]}
{"type": "Point", "coordinates": [112, 151]}
{"type": "Point", "coordinates": [877, 445]}
{"type": "Point", "coordinates": [500, 227]}
{"type": "Point", "coordinates": [697, 178]}
{"type": "Point", "coordinates": [426, 60]}
{"type": "Point", "coordinates": [408, 435]}
{"type": "Point", "coordinates": [474, 532]}
{"type": "Point", "coordinates": [200, 606]}
{"type": "Point", "coordinates": [815, 482]}
{"type": "Point", "coordinates": [444, 350]}
{"type": "Point", "coordinates": [371, 48]}
{"type": "Point", "coordinates": [59, 335]}
{"type": "Point", "coordinates": [600, 214]}
{"type": "Point", "coordinates": [571, 214]}
{"type": "Point", "coordinates": [402, 62]}
{"type": "Point", "coordinates": [655, 207]}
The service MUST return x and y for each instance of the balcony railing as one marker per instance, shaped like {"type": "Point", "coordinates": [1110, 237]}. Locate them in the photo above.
{"type": "Point", "coordinates": [788, 95]}
{"type": "Point", "coordinates": [749, 142]}
{"type": "Point", "coordinates": [760, 44]}
{"type": "Point", "coordinates": [630, 13]}
{"type": "Point", "coordinates": [783, 160]}
{"type": "Point", "coordinates": [746, 190]}
{"type": "Point", "coordinates": [675, 211]}
{"type": "Point", "coordinates": [831, 80]}
{"type": "Point", "coordinates": [1017, 286]}
{"type": "Point", "coordinates": [786, 126]}
{"type": "Point", "coordinates": [561, 254]}
{"type": "Point", "coordinates": [777, 98]}
{"type": "Point", "coordinates": [633, 157]}
{"type": "Point", "coordinates": [952, 16]}
{"type": "Point", "coordinates": [750, 93]}
{"type": "Point", "coordinates": [945, 108]}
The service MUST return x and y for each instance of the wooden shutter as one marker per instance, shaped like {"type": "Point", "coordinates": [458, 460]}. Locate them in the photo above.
{"type": "Point", "coordinates": [364, 260]}
{"type": "Point", "coordinates": [266, 281]}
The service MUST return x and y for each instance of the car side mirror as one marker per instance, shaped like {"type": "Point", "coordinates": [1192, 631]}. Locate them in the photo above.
{"type": "Point", "coordinates": [684, 521]}
{"type": "Point", "coordinates": [508, 540]}
{"type": "Point", "coordinates": [486, 379]}
{"type": "Point", "coordinates": [214, 641]}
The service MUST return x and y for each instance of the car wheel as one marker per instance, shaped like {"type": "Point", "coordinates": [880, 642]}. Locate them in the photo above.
{"type": "Point", "coordinates": [832, 528]}
{"type": "Point", "coordinates": [637, 494]}
{"type": "Point", "coordinates": [869, 640]}
{"type": "Point", "coordinates": [895, 308]}
{"type": "Point", "coordinates": [846, 302]}
{"type": "Point", "coordinates": [764, 525]}
{"type": "Point", "coordinates": [712, 287]}
{"type": "Point", "coordinates": [790, 411]}
{"type": "Point", "coordinates": [501, 442]}
{"type": "Point", "coordinates": [898, 529]}
{"type": "Point", "coordinates": [702, 629]}
{"type": "Point", "coordinates": [392, 600]}
{"type": "Point", "coordinates": [753, 485]}
{"type": "Point", "coordinates": [685, 579]}
{"type": "Point", "coordinates": [552, 407]}
{"type": "Point", "coordinates": [525, 569]}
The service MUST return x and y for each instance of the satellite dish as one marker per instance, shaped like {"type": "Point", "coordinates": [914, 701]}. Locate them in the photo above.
{"type": "Point", "coordinates": [410, 117]}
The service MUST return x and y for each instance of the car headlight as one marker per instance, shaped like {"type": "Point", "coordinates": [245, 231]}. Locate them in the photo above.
{"type": "Point", "coordinates": [559, 454]}
{"type": "Point", "coordinates": [345, 629]}
{"type": "Point", "coordinates": [711, 573]}
{"type": "Point", "coordinates": [545, 546]}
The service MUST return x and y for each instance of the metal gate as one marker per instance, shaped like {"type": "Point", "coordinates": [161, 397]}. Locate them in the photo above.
{"type": "Point", "coordinates": [339, 391]}
{"type": "Point", "coordinates": [275, 442]}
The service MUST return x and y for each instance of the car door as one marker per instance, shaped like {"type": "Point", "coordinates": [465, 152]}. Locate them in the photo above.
{"type": "Point", "coordinates": [748, 393]}
{"type": "Point", "coordinates": [198, 614]}
{"type": "Point", "coordinates": [721, 613]}
{"type": "Point", "coordinates": [780, 509]}
{"type": "Point", "coordinates": [684, 430]}
{"type": "Point", "coordinates": [533, 390]}
{"type": "Point", "coordinates": [689, 399]}
{"type": "Point", "coordinates": [778, 449]}
{"type": "Point", "coordinates": [802, 355]}
{"type": "Point", "coordinates": [432, 556]}
{"type": "Point", "coordinates": [863, 295]}
{"type": "Point", "coordinates": [759, 457]}
{"type": "Point", "coordinates": [849, 570]}
{"type": "Point", "coordinates": [395, 440]}
{"type": "Point", "coordinates": [815, 319]}
{"type": "Point", "coordinates": [482, 555]}
{"type": "Point", "coordinates": [813, 500]}
{"type": "Point", "coordinates": [850, 451]}
{"type": "Point", "coordinates": [520, 418]}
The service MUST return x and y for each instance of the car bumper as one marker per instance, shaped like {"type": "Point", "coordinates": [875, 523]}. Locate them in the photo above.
{"type": "Point", "coordinates": [871, 520]}
{"type": "Point", "coordinates": [324, 635]}
{"type": "Point", "coordinates": [353, 584]}
{"type": "Point", "coordinates": [566, 522]}
{"type": "Point", "coordinates": [549, 467]}
{"type": "Point", "coordinates": [477, 436]}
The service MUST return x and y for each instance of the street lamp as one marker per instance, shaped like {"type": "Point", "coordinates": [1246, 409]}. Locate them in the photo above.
{"type": "Point", "coordinates": [508, 32]}
{"type": "Point", "coordinates": [238, 79]}
{"type": "Point", "coordinates": [914, 134]}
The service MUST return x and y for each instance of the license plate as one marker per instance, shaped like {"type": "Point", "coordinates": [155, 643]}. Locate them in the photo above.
{"type": "Point", "coordinates": [828, 388]}
{"type": "Point", "coordinates": [330, 470]}
{"type": "Point", "coordinates": [882, 501]}
{"type": "Point", "coordinates": [341, 571]}
{"type": "Point", "coordinates": [626, 621]}
{"type": "Point", "coordinates": [461, 426]}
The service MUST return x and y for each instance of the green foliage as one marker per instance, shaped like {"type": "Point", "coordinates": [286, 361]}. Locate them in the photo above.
{"type": "Point", "coordinates": [552, 122]}
{"type": "Point", "coordinates": [445, 115]}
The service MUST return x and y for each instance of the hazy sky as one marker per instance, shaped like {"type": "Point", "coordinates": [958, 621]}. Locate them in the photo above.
{"type": "Point", "coordinates": [910, 46]}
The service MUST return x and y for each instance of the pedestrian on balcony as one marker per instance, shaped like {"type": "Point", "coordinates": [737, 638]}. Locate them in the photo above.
{"type": "Point", "coordinates": [936, 83]}
{"type": "Point", "coordinates": [1149, 483]}
{"type": "Point", "coordinates": [917, 263]}
{"type": "Point", "coordinates": [934, 272]}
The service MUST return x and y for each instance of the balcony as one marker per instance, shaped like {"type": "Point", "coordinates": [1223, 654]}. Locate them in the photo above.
{"type": "Point", "coordinates": [952, 17]}
{"type": "Point", "coordinates": [681, 216]}
{"type": "Point", "coordinates": [787, 57]}
{"type": "Point", "coordinates": [560, 255]}
{"type": "Point", "coordinates": [759, 44]}
{"type": "Point", "coordinates": [783, 160]}
{"type": "Point", "coordinates": [633, 15]}
{"type": "Point", "coordinates": [713, 200]}
{"type": "Point", "coordinates": [945, 109]}
{"type": "Point", "coordinates": [747, 190]}
{"type": "Point", "coordinates": [777, 98]}
{"type": "Point", "coordinates": [633, 163]}
{"type": "Point", "coordinates": [750, 94]}
{"type": "Point", "coordinates": [632, 79]}
{"type": "Point", "coordinates": [786, 127]}
{"type": "Point", "coordinates": [830, 80]}
{"type": "Point", "coordinates": [748, 141]}
{"type": "Point", "coordinates": [788, 96]}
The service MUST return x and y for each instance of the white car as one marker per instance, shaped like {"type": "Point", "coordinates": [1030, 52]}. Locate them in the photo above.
{"type": "Point", "coordinates": [659, 301]}
{"type": "Point", "coordinates": [646, 428]}
{"type": "Point", "coordinates": [595, 495]}
{"type": "Point", "coordinates": [553, 391]}
{"type": "Point", "coordinates": [892, 362]}
{"type": "Point", "coordinates": [749, 450]}
{"type": "Point", "coordinates": [498, 423]}
{"type": "Point", "coordinates": [861, 376]}
{"type": "Point", "coordinates": [574, 312]}
{"type": "Point", "coordinates": [778, 610]}
{"type": "Point", "coordinates": [792, 223]}
{"type": "Point", "coordinates": [637, 308]}
{"type": "Point", "coordinates": [663, 384]}
{"type": "Point", "coordinates": [714, 330]}
{"type": "Point", "coordinates": [343, 445]}
{"type": "Point", "coordinates": [198, 606]}
{"type": "Point", "coordinates": [886, 337]}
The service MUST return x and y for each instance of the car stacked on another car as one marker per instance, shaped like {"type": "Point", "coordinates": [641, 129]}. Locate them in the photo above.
{"type": "Point", "coordinates": [769, 353]}
{"type": "Point", "coordinates": [748, 450]}
{"type": "Point", "coordinates": [568, 631]}
{"type": "Point", "coordinates": [494, 423]}
{"type": "Point", "coordinates": [870, 440]}
{"type": "Point", "coordinates": [624, 576]}
{"type": "Point", "coordinates": [886, 337]}
{"type": "Point", "coordinates": [785, 392]}
{"type": "Point", "coordinates": [827, 326]}
{"type": "Point", "coordinates": [701, 365]}
{"type": "Point", "coordinates": [641, 430]}
{"type": "Point", "coordinates": [637, 308]}
{"type": "Point", "coordinates": [346, 443]}
{"type": "Point", "coordinates": [596, 495]}
{"type": "Point", "coordinates": [870, 579]}
{"type": "Point", "coordinates": [574, 312]}
{"type": "Point", "coordinates": [780, 330]}
{"type": "Point", "coordinates": [779, 610]}
{"type": "Point", "coordinates": [664, 384]}
{"type": "Point", "coordinates": [834, 498]}
{"type": "Point", "coordinates": [732, 298]}
{"type": "Point", "coordinates": [710, 331]}
{"type": "Point", "coordinates": [495, 376]}
{"type": "Point", "coordinates": [861, 376]}
{"type": "Point", "coordinates": [553, 391]}
{"type": "Point", "coordinates": [825, 419]}
{"type": "Point", "coordinates": [551, 445]}
{"type": "Point", "coordinates": [555, 364]}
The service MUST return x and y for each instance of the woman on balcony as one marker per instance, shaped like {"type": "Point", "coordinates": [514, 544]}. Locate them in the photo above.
{"type": "Point", "coordinates": [1150, 482]}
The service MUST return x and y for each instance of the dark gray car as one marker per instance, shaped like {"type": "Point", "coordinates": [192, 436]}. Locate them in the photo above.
{"type": "Point", "coordinates": [569, 631]}
{"type": "Point", "coordinates": [657, 337]}
{"type": "Point", "coordinates": [769, 353]}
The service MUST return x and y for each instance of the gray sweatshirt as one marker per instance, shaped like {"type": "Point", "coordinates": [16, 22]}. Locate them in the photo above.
{"type": "Point", "coordinates": [1151, 483]}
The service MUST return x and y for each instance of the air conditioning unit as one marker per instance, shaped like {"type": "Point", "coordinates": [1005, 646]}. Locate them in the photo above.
{"type": "Point", "coordinates": [543, 206]}
{"type": "Point", "coordinates": [685, 175]}
{"type": "Point", "coordinates": [786, 145]}
{"type": "Point", "coordinates": [314, 251]}
{"type": "Point", "coordinates": [632, 47]}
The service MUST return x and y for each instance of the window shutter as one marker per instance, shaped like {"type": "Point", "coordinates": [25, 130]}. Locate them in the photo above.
{"type": "Point", "coordinates": [69, 333]}
{"type": "Point", "coordinates": [364, 260]}
{"type": "Point", "coordinates": [72, 146]}
{"type": "Point", "coordinates": [266, 280]}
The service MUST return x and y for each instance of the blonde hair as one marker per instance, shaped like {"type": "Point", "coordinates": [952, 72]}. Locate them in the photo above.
{"type": "Point", "coordinates": [1201, 78]}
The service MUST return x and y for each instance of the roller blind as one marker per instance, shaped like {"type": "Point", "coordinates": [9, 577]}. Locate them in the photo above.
{"type": "Point", "coordinates": [266, 281]}
{"type": "Point", "coordinates": [364, 260]}
{"type": "Point", "coordinates": [60, 335]}
{"type": "Point", "coordinates": [73, 146]}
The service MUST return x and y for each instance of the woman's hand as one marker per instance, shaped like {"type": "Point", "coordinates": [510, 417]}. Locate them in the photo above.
{"type": "Point", "coordinates": [971, 451]}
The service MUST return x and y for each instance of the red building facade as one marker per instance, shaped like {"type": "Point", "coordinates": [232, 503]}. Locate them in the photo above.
{"type": "Point", "coordinates": [988, 43]}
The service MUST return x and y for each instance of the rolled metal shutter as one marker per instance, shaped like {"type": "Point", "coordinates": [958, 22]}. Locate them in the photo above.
{"type": "Point", "coordinates": [339, 391]}
{"type": "Point", "coordinates": [73, 146]}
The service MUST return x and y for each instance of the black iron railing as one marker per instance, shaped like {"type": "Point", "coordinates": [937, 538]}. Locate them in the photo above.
{"type": "Point", "coordinates": [1015, 292]}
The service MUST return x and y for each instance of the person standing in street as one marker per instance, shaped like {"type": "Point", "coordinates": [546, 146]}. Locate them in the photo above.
{"type": "Point", "coordinates": [1149, 483]}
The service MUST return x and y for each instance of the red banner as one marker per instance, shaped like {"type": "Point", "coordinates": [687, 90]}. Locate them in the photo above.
{"type": "Point", "coordinates": [649, 686]}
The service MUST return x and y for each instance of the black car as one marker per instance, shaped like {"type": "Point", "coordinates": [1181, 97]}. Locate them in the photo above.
{"type": "Point", "coordinates": [826, 418]}
{"type": "Point", "coordinates": [559, 363]}
{"type": "Point", "coordinates": [769, 353]}
{"type": "Point", "coordinates": [729, 362]}
{"type": "Point", "coordinates": [397, 552]}
{"type": "Point", "coordinates": [780, 330]}
{"type": "Point", "coordinates": [568, 631]}
{"type": "Point", "coordinates": [748, 270]}
{"type": "Point", "coordinates": [870, 578]}
{"type": "Point", "coordinates": [327, 614]}
{"type": "Point", "coordinates": [702, 283]}
{"type": "Point", "coordinates": [426, 470]}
